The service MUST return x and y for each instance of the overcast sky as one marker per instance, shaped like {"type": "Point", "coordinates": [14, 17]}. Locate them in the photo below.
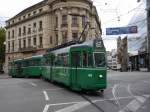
{"type": "Point", "coordinates": [108, 10]}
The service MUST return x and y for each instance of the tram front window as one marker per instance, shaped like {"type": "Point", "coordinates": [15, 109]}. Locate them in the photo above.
{"type": "Point", "coordinates": [100, 60]}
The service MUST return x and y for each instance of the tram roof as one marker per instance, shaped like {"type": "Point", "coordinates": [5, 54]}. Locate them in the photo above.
{"type": "Point", "coordinates": [36, 56]}
{"type": "Point", "coordinates": [66, 49]}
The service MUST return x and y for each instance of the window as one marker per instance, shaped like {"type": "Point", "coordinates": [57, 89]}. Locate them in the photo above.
{"type": "Point", "coordinates": [24, 43]}
{"type": "Point", "coordinates": [29, 15]}
{"type": "Point", "coordinates": [29, 42]}
{"type": "Point", "coordinates": [29, 30]}
{"type": "Point", "coordinates": [40, 10]}
{"type": "Point", "coordinates": [64, 20]}
{"type": "Point", "coordinates": [99, 59]}
{"type": "Point", "coordinates": [24, 30]}
{"type": "Point", "coordinates": [24, 17]}
{"type": "Point", "coordinates": [51, 40]}
{"type": "Point", "coordinates": [41, 41]}
{"type": "Point", "coordinates": [64, 37]}
{"type": "Point", "coordinates": [34, 12]}
{"type": "Point", "coordinates": [76, 59]}
{"type": "Point", "coordinates": [8, 34]}
{"type": "Point", "coordinates": [34, 41]}
{"type": "Point", "coordinates": [12, 33]}
{"type": "Point", "coordinates": [8, 46]}
{"type": "Point", "coordinates": [56, 39]}
{"type": "Point", "coordinates": [75, 36]}
{"type": "Point", "coordinates": [87, 59]}
{"type": "Point", "coordinates": [19, 32]}
{"type": "Point", "coordinates": [34, 25]}
{"type": "Point", "coordinates": [19, 19]}
{"type": "Point", "coordinates": [90, 59]}
{"type": "Point", "coordinates": [58, 61]}
{"type": "Point", "coordinates": [74, 21]}
{"type": "Point", "coordinates": [84, 20]}
{"type": "Point", "coordinates": [19, 43]}
{"type": "Point", "coordinates": [40, 26]}
{"type": "Point", "coordinates": [65, 60]}
{"type": "Point", "coordinates": [56, 22]}
{"type": "Point", "coordinates": [13, 45]}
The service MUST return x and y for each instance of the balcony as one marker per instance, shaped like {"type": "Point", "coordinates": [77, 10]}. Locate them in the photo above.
{"type": "Point", "coordinates": [75, 25]}
{"type": "Point", "coordinates": [27, 49]}
{"type": "Point", "coordinates": [40, 46]}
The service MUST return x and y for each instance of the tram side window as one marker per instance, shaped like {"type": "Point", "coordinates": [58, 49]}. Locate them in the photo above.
{"type": "Point", "coordinates": [76, 59]}
{"type": "Point", "coordinates": [87, 59]}
{"type": "Point", "coordinates": [90, 60]}
{"type": "Point", "coordinates": [65, 60]}
{"type": "Point", "coordinates": [100, 60]}
{"type": "Point", "coordinates": [58, 61]}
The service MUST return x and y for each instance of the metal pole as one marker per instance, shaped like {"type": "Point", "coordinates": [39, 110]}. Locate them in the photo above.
{"type": "Point", "coordinates": [148, 32]}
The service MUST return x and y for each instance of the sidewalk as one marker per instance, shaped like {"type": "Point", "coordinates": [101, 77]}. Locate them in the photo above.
{"type": "Point", "coordinates": [4, 76]}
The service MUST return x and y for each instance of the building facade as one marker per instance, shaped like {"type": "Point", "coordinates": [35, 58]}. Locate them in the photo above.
{"type": "Point", "coordinates": [48, 24]}
{"type": "Point", "coordinates": [112, 60]}
{"type": "Point", "coordinates": [138, 43]}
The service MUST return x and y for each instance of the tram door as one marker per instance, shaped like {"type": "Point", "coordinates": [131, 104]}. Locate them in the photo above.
{"type": "Point", "coordinates": [75, 65]}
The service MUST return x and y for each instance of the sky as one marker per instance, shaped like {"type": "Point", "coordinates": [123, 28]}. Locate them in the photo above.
{"type": "Point", "coordinates": [112, 13]}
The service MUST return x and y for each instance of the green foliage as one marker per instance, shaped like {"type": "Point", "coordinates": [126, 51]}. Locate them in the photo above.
{"type": "Point", "coordinates": [2, 46]}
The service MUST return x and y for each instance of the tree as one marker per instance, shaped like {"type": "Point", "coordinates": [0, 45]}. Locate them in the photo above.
{"type": "Point", "coordinates": [2, 46]}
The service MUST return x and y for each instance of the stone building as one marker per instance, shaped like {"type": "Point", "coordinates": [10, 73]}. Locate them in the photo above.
{"type": "Point", "coordinates": [48, 24]}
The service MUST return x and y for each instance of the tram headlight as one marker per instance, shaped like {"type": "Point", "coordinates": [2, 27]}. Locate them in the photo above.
{"type": "Point", "coordinates": [100, 76]}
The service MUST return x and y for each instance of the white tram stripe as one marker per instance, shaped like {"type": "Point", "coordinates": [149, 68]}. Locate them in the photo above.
{"type": "Point", "coordinates": [46, 95]}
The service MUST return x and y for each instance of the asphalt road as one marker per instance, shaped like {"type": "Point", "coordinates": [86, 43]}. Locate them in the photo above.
{"type": "Point", "coordinates": [126, 92]}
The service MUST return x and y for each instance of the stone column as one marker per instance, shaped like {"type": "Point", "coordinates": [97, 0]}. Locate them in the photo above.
{"type": "Point", "coordinates": [59, 28]}
{"type": "Point", "coordinates": [69, 21]}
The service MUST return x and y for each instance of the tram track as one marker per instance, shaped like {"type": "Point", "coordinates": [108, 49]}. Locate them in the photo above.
{"type": "Point", "coordinates": [92, 103]}
{"type": "Point", "coordinates": [97, 106]}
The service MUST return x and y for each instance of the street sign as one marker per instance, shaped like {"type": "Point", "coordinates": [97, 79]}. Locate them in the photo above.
{"type": "Point", "coordinates": [121, 30]}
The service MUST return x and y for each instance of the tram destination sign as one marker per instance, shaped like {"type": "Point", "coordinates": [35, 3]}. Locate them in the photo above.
{"type": "Point", "coordinates": [121, 30]}
{"type": "Point", "coordinates": [98, 43]}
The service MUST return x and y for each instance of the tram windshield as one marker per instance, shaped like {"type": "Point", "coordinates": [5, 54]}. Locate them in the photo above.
{"type": "Point", "coordinates": [99, 59]}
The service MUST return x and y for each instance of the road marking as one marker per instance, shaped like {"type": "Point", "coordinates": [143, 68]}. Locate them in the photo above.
{"type": "Point", "coordinates": [116, 98]}
{"type": "Point", "coordinates": [33, 84]}
{"type": "Point", "coordinates": [135, 104]}
{"type": "Point", "coordinates": [74, 107]}
{"type": "Point", "coordinates": [85, 103]}
{"type": "Point", "coordinates": [129, 91]}
{"type": "Point", "coordinates": [46, 95]}
{"type": "Point", "coordinates": [46, 108]}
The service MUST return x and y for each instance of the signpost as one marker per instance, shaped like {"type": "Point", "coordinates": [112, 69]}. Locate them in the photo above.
{"type": "Point", "coordinates": [121, 30]}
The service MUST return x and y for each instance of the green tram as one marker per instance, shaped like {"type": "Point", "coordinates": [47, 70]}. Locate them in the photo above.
{"type": "Point", "coordinates": [79, 66]}
{"type": "Point", "coordinates": [28, 67]}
